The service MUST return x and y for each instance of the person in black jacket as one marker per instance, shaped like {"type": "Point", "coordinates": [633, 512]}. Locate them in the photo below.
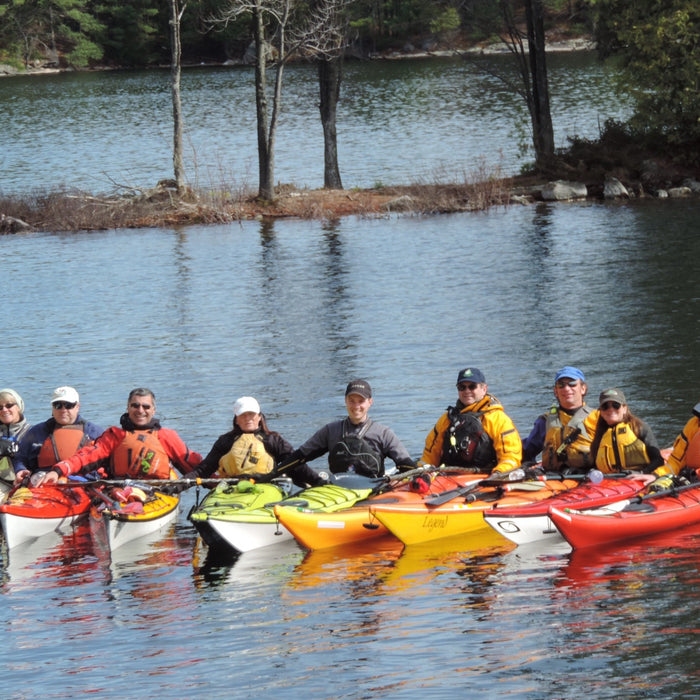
{"type": "Point", "coordinates": [251, 450]}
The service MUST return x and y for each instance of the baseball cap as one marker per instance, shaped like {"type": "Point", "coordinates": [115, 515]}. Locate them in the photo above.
{"type": "Point", "coordinates": [245, 404]}
{"type": "Point", "coordinates": [359, 386]}
{"type": "Point", "coordinates": [65, 393]}
{"type": "Point", "coordinates": [569, 373]}
{"type": "Point", "coordinates": [471, 374]}
{"type": "Point", "coordinates": [612, 395]}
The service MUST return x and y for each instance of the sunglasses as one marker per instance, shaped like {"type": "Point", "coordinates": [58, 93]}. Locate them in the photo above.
{"type": "Point", "coordinates": [144, 406]}
{"type": "Point", "coordinates": [610, 404]}
{"type": "Point", "coordinates": [64, 404]}
{"type": "Point", "coordinates": [464, 387]}
{"type": "Point", "coordinates": [572, 383]}
{"type": "Point", "coordinates": [8, 406]}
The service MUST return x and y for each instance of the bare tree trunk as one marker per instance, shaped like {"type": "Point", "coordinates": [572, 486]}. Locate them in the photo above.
{"type": "Point", "coordinates": [542, 129]}
{"type": "Point", "coordinates": [175, 67]}
{"type": "Point", "coordinates": [329, 77]}
{"type": "Point", "coordinates": [266, 189]}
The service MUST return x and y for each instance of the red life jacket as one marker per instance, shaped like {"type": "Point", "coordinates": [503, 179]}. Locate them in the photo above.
{"type": "Point", "coordinates": [140, 455]}
{"type": "Point", "coordinates": [61, 444]}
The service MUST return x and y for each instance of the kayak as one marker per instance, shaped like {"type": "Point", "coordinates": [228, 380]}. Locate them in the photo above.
{"type": "Point", "coordinates": [638, 517]}
{"type": "Point", "coordinates": [531, 523]}
{"type": "Point", "coordinates": [316, 529]}
{"type": "Point", "coordinates": [30, 513]}
{"type": "Point", "coordinates": [114, 524]}
{"type": "Point", "coordinates": [240, 517]}
{"type": "Point", "coordinates": [416, 523]}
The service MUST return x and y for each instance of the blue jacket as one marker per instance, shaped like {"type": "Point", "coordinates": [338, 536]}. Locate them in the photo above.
{"type": "Point", "coordinates": [34, 438]}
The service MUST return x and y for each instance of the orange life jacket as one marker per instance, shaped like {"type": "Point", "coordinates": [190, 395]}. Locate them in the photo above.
{"type": "Point", "coordinates": [63, 443]}
{"type": "Point", "coordinates": [140, 455]}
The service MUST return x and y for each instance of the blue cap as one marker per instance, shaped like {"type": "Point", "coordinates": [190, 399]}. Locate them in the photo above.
{"type": "Point", "coordinates": [571, 373]}
{"type": "Point", "coordinates": [471, 374]}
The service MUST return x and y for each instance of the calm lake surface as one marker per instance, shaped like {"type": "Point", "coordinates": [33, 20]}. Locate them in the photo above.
{"type": "Point", "coordinates": [402, 121]}
{"type": "Point", "coordinates": [289, 312]}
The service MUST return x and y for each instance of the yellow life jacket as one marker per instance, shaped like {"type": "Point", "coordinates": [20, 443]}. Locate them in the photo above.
{"type": "Point", "coordinates": [140, 455]}
{"type": "Point", "coordinates": [620, 449]}
{"type": "Point", "coordinates": [246, 456]}
{"type": "Point", "coordinates": [566, 441]}
{"type": "Point", "coordinates": [63, 443]}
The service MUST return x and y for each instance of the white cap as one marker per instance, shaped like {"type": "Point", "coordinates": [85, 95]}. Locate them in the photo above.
{"type": "Point", "coordinates": [65, 393]}
{"type": "Point", "coordinates": [246, 404]}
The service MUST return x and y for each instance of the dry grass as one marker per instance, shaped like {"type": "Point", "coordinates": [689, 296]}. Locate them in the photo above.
{"type": "Point", "coordinates": [74, 210]}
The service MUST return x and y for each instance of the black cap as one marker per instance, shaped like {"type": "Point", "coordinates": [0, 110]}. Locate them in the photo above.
{"type": "Point", "coordinates": [359, 386]}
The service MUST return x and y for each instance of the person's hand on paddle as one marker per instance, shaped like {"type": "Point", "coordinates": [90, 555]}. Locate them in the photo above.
{"type": "Point", "coordinates": [663, 483]}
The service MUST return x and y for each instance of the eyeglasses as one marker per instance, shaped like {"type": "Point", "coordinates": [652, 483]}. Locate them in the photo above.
{"type": "Point", "coordinates": [144, 406]}
{"type": "Point", "coordinates": [563, 382]}
{"type": "Point", "coordinates": [464, 387]}
{"type": "Point", "coordinates": [7, 406]}
{"type": "Point", "coordinates": [64, 404]}
{"type": "Point", "coordinates": [610, 404]}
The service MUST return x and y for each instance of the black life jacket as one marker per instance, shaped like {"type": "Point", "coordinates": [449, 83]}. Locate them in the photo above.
{"type": "Point", "coordinates": [466, 443]}
{"type": "Point", "coordinates": [354, 454]}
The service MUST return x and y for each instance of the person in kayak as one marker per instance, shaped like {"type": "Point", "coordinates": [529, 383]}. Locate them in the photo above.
{"type": "Point", "coordinates": [563, 435]}
{"type": "Point", "coordinates": [138, 449]}
{"type": "Point", "coordinates": [621, 441]}
{"type": "Point", "coordinates": [476, 432]}
{"type": "Point", "coordinates": [13, 426]}
{"type": "Point", "coordinates": [57, 438]}
{"type": "Point", "coordinates": [354, 444]}
{"type": "Point", "coordinates": [251, 450]}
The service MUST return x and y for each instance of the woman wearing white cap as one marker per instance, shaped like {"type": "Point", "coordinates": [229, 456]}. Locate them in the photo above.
{"type": "Point", "coordinates": [250, 450]}
{"type": "Point", "coordinates": [13, 425]}
{"type": "Point", "coordinates": [57, 438]}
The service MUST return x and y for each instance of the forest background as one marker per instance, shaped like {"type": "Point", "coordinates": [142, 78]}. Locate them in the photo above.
{"type": "Point", "coordinates": [655, 44]}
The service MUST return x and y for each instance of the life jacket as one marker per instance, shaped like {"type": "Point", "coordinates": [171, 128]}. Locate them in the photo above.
{"type": "Point", "coordinates": [572, 435]}
{"type": "Point", "coordinates": [246, 456]}
{"type": "Point", "coordinates": [466, 443]}
{"type": "Point", "coordinates": [620, 449]}
{"type": "Point", "coordinates": [692, 454]}
{"type": "Point", "coordinates": [63, 442]}
{"type": "Point", "coordinates": [140, 455]}
{"type": "Point", "coordinates": [354, 454]}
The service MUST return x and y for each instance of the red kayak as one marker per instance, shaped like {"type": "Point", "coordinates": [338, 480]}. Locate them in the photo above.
{"type": "Point", "coordinates": [32, 512]}
{"type": "Point", "coordinates": [640, 517]}
{"type": "Point", "coordinates": [531, 523]}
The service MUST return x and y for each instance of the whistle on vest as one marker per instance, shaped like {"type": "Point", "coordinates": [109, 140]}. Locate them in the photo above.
{"type": "Point", "coordinates": [571, 437]}
{"type": "Point", "coordinates": [146, 461]}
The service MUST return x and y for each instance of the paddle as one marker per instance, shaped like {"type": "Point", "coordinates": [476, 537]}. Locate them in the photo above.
{"type": "Point", "coordinates": [667, 492]}
{"type": "Point", "coordinates": [447, 496]}
{"type": "Point", "coordinates": [75, 483]}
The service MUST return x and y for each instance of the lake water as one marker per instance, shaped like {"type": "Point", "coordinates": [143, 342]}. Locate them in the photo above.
{"type": "Point", "coordinates": [399, 122]}
{"type": "Point", "coordinates": [289, 312]}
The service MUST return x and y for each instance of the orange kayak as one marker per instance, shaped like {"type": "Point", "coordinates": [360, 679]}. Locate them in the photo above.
{"type": "Point", "coordinates": [315, 529]}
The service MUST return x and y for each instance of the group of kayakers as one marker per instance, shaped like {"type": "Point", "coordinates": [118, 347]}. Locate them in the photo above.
{"type": "Point", "coordinates": [475, 433]}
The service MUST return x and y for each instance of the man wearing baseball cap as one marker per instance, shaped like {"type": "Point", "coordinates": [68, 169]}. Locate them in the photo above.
{"type": "Point", "coordinates": [58, 438]}
{"type": "Point", "coordinates": [475, 433]}
{"type": "Point", "coordinates": [356, 443]}
{"type": "Point", "coordinates": [563, 435]}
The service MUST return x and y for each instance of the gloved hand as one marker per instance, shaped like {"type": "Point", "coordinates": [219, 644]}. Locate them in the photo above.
{"type": "Point", "coordinates": [663, 483]}
{"type": "Point", "coordinates": [533, 472]}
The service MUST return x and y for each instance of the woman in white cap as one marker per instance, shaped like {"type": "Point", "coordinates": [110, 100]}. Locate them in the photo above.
{"type": "Point", "coordinates": [622, 442]}
{"type": "Point", "coordinates": [251, 450]}
{"type": "Point", "coordinates": [57, 438]}
{"type": "Point", "coordinates": [13, 426]}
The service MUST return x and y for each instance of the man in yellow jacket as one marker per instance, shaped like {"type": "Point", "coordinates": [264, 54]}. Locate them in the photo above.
{"type": "Point", "coordinates": [475, 433]}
